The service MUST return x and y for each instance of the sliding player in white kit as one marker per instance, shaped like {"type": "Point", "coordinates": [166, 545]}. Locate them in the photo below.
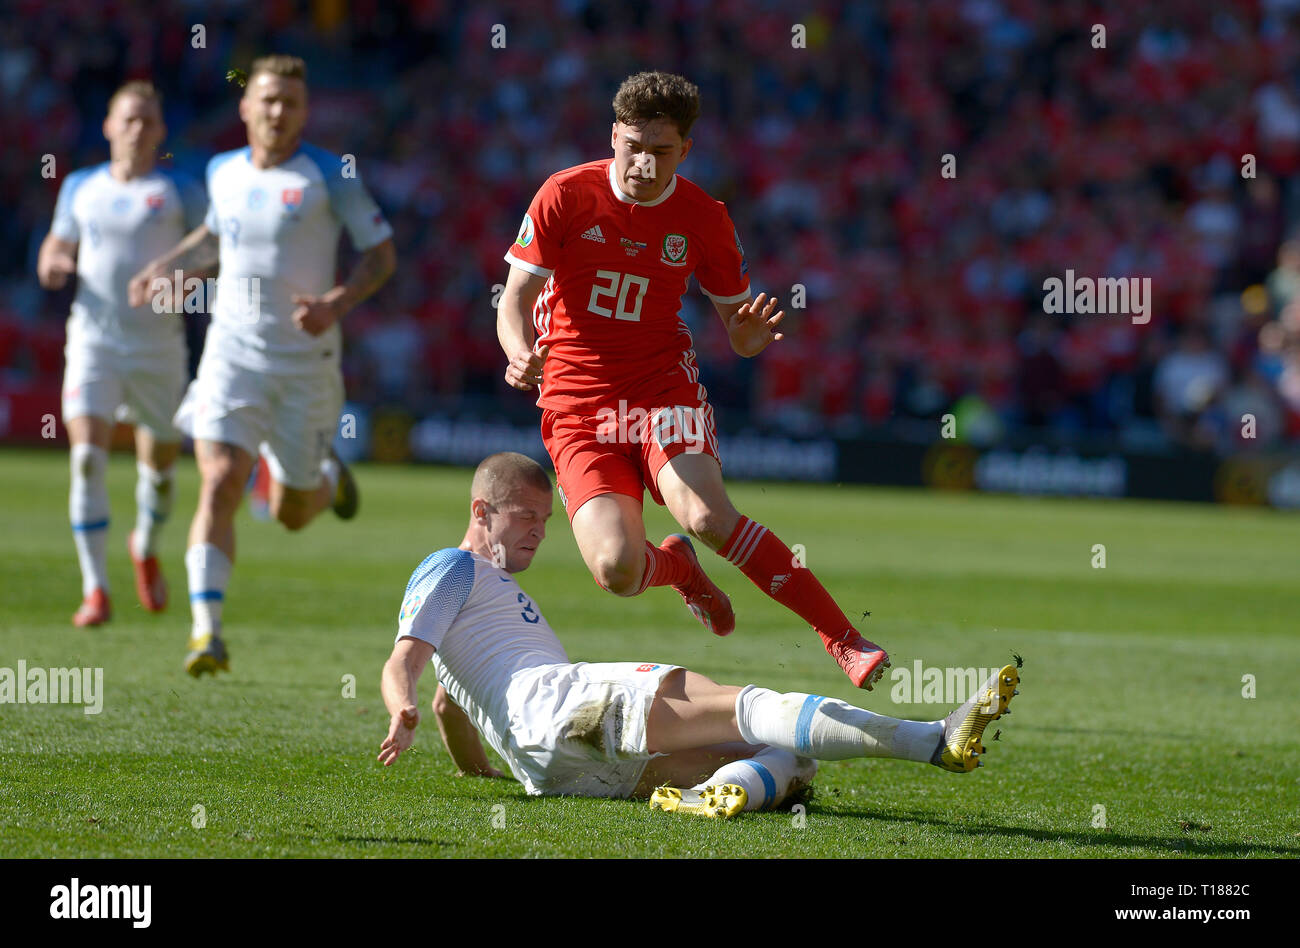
{"type": "Point", "coordinates": [109, 220]}
{"type": "Point", "coordinates": [270, 377]}
{"type": "Point", "coordinates": [616, 729]}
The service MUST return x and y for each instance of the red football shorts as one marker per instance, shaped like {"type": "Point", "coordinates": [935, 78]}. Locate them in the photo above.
{"type": "Point", "coordinates": [621, 452]}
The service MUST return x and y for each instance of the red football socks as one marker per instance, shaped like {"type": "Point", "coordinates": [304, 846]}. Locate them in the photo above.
{"type": "Point", "coordinates": [771, 567]}
{"type": "Point", "coordinates": [664, 568]}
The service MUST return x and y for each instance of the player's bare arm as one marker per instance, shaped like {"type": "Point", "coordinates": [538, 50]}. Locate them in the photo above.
{"type": "Point", "coordinates": [751, 325]}
{"type": "Point", "coordinates": [461, 738]}
{"type": "Point", "coordinates": [515, 329]}
{"type": "Point", "coordinates": [196, 256]}
{"type": "Point", "coordinates": [401, 673]}
{"type": "Point", "coordinates": [56, 262]}
{"type": "Point", "coordinates": [315, 314]}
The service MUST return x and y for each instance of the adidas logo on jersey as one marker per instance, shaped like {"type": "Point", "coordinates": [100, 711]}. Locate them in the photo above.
{"type": "Point", "coordinates": [777, 582]}
{"type": "Point", "coordinates": [594, 233]}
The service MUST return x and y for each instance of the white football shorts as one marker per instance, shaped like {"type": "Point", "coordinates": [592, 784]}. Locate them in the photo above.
{"type": "Point", "coordinates": [141, 388]}
{"type": "Point", "coordinates": [580, 729]}
{"type": "Point", "coordinates": [290, 416]}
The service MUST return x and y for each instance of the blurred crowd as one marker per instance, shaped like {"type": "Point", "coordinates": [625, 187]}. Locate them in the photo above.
{"type": "Point", "coordinates": [1164, 145]}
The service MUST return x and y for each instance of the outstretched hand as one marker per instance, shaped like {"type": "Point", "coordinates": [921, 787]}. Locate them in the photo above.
{"type": "Point", "coordinates": [752, 328]}
{"type": "Point", "coordinates": [401, 734]}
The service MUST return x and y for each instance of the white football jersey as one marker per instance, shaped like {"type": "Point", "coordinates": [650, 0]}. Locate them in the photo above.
{"type": "Point", "coordinates": [280, 226]}
{"type": "Point", "coordinates": [484, 629]}
{"type": "Point", "coordinates": [119, 226]}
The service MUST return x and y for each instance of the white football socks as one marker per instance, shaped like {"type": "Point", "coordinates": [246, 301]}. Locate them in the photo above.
{"type": "Point", "coordinates": [88, 512]}
{"type": "Point", "coordinates": [153, 504]}
{"type": "Point", "coordinates": [829, 729]}
{"type": "Point", "coordinates": [208, 570]}
{"type": "Point", "coordinates": [767, 777]}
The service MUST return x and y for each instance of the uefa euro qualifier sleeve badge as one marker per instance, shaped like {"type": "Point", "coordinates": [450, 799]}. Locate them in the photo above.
{"type": "Point", "coordinates": [525, 232]}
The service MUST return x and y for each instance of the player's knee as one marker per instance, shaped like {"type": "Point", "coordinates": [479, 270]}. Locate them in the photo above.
{"type": "Point", "coordinates": [293, 516]}
{"type": "Point", "coordinates": [708, 524]}
{"type": "Point", "coordinates": [696, 522]}
{"type": "Point", "coordinates": [162, 456]}
{"type": "Point", "coordinates": [87, 462]}
{"type": "Point", "coordinates": [221, 490]}
{"type": "Point", "coordinates": [620, 575]}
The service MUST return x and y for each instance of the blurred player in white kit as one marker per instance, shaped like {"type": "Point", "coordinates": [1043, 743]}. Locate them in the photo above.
{"type": "Point", "coordinates": [270, 377]}
{"type": "Point", "coordinates": [110, 219]}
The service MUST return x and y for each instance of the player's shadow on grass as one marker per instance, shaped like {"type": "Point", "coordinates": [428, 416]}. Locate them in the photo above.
{"type": "Point", "coordinates": [1184, 846]}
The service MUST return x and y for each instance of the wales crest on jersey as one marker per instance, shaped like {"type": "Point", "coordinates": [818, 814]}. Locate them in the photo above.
{"type": "Point", "coordinates": [674, 250]}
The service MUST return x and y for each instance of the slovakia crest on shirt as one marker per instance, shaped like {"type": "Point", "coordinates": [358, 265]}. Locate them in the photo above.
{"type": "Point", "coordinates": [291, 198]}
{"type": "Point", "coordinates": [674, 250]}
{"type": "Point", "coordinates": [154, 202]}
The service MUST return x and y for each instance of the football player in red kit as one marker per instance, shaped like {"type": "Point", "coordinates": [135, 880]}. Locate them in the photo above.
{"type": "Point", "coordinates": [590, 314]}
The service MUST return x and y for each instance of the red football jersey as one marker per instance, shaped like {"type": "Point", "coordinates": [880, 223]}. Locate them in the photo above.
{"type": "Point", "coordinates": [617, 272]}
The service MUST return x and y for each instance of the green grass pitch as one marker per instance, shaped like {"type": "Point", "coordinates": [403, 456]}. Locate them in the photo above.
{"type": "Point", "coordinates": [1131, 736]}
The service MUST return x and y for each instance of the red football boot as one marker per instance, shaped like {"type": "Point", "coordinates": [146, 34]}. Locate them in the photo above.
{"type": "Point", "coordinates": [864, 662]}
{"type": "Point", "coordinates": [94, 610]}
{"type": "Point", "coordinates": [149, 583]}
{"type": "Point", "coordinates": [702, 596]}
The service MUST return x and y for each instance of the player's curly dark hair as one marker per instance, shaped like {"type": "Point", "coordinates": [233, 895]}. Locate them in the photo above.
{"type": "Point", "coordinates": [650, 95]}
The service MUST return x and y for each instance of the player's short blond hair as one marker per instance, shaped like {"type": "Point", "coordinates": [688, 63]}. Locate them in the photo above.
{"type": "Point", "coordinates": [291, 67]}
{"type": "Point", "coordinates": [651, 95]}
{"type": "Point", "coordinates": [141, 87]}
{"type": "Point", "coordinates": [499, 476]}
